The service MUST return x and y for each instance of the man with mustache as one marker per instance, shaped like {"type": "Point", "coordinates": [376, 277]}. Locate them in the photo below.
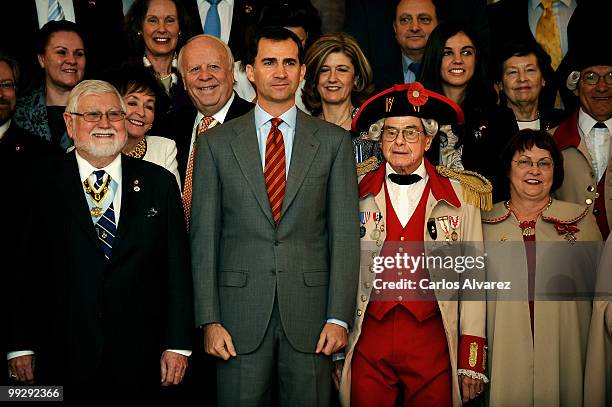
{"type": "Point", "coordinates": [584, 138]}
{"type": "Point", "coordinates": [106, 262]}
{"type": "Point", "coordinates": [274, 239]}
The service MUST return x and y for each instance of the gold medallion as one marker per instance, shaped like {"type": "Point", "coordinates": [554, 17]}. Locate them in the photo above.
{"type": "Point", "coordinates": [96, 211]}
{"type": "Point", "coordinates": [375, 235]}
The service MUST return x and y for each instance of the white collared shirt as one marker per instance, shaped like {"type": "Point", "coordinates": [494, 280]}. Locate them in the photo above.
{"type": "Point", "coordinates": [597, 142]}
{"type": "Point", "coordinates": [226, 13]}
{"type": "Point", "coordinates": [113, 169]}
{"type": "Point", "coordinates": [42, 10]}
{"type": "Point", "coordinates": [219, 119]}
{"type": "Point", "coordinates": [562, 9]}
{"type": "Point", "coordinates": [4, 128]}
{"type": "Point", "coordinates": [405, 198]}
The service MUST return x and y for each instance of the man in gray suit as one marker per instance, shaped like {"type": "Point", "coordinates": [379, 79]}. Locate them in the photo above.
{"type": "Point", "coordinates": [275, 239]}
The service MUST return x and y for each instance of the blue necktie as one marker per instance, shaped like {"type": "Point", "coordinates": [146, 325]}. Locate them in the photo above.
{"type": "Point", "coordinates": [106, 228]}
{"type": "Point", "coordinates": [415, 68]}
{"type": "Point", "coordinates": [55, 12]}
{"type": "Point", "coordinates": [212, 25]}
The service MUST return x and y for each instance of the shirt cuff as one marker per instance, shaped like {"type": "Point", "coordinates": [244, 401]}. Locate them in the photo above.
{"type": "Point", "coordinates": [338, 322]}
{"type": "Point", "coordinates": [180, 351]}
{"type": "Point", "coordinates": [16, 354]}
{"type": "Point", "coordinates": [338, 356]}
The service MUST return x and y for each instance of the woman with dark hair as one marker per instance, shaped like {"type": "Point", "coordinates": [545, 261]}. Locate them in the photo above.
{"type": "Point", "coordinates": [537, 330]}
{"type": "Point", "coordinates": [338, 80]}
{"type": "Point", "coordinates": [299, 17]}
{"type": "Point", "coordinates": [156, 30]}
{"type": "Point", "coordinates": [452, 66]}
{"type": "Point", "coordinates": [140, 91]}
{"type": "Point", "coordinates": [61, 55]}
{"type": "Point", "coordinates": [521, 69]}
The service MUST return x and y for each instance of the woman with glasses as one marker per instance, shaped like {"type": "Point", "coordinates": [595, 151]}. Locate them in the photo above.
{"type": "Point", "coordinates": [141, 92]}
{"type": "Point", "coordinates": [537, 327]}
{"type": "Point", "coordinates": [61, 56]}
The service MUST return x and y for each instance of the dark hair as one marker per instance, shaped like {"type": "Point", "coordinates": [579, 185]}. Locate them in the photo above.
{"type": "Point", "coordinates": [295, 13]}
{"type": "Point", "coordinates": [134, 20]}
{"type": "Point", "coordinates": [527, 138]}
{"type": "Point", "coordinates": [274, 34]}
{"type": "Point", "coordinates": [52, 27]}
{"type": "Point", "coordinates": [13, 64]}
{"type": "Point", "coordinates": [315, 57]}
{"type": "Point", "coordinates": [133, 77]}
{"type": "Point", "coordinates": [516, 48]}
{"type": "Point", "coordinates": [479, 91]}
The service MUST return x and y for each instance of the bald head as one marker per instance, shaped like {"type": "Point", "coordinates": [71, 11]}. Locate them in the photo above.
{"type": "Point", "coordinates": [207, 67]}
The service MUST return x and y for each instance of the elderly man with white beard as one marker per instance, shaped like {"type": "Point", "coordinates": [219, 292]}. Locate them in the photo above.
{"type": "Point", "coordinates": [105, 257]}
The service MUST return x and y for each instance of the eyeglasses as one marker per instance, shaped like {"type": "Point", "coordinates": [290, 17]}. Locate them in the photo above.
{"type": "Point", "coordinates": [544, 164]}
{"type": "Point", "coordinates": [410, 134]}
{"type": "Point", "coordinates": [592, 78]}
{"type": "Point", "coordinates": [111, 115]}
{"type": "Point", "coordinates": [8, 86]}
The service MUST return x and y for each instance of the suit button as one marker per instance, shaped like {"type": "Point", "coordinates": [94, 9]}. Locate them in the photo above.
{"type": "Point", "coordinates": [373, 254]}
{"type": "Point", "coordinates": [371, 268]}
{"type": "Point", "coordinates": [276, 243]}
{"type": "Point", "coordinates": [588, 201]}
{"type": "Point", "coordinates": [401, 249]}
{"type": "Point", "coordinates": [596, 195]}
{"type": "Point", "coordinates": [400, 298]}
{"type": "Point", "coordinates": [359, 312]}
{"type": "Point", "coordinates": [366, 285]}
{"type": "Point", "coordinates": [399, 273]}
{"type": "Point", "coordinates": [595, 211]}
{"type": "Point", "coordinates": [364, 298]}
{"type": "Point", "coordinates": [402, 238]}
{"type": "Point", "coordinates": [591, 188]}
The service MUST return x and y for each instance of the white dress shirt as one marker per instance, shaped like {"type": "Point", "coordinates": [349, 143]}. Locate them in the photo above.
{"type": "Point", "coordinates": [219, 119]}
{"type": "Point", "coordinates": [226, 13]}
{"type": "Point", "coordinates": [287, 128]}
{"type": "Point", "coordinates": [4, 128]}
{"type": "Point", "coordinates": [405, 198]}
{"type": "Point", "coordinates": [597, 142]}
{"type": "Point", "coordinates": [42, 9]}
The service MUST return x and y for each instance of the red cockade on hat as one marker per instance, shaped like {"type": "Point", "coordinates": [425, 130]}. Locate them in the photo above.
{"type": "Point", "coordinates": [416, 95]}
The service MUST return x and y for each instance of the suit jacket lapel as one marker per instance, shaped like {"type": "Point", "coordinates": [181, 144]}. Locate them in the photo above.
{"type": "Point", "coordinates": [246, 151]}
{"type": "Point", "coordinates": [79, 208]}
{"type": "Point", "coordinates": [128, 200]}
{"type": "Point", "coordinates": [305, 147]}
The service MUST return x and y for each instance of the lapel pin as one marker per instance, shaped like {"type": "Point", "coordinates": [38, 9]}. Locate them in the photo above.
{"type": "Point", "coordinates": [136, 187]}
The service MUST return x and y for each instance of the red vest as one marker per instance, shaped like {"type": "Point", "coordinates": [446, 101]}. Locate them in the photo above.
{"type": "Point", "coordinates": [412, 232]}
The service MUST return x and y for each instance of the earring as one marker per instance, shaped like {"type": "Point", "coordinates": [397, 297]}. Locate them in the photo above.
{"type": "Point", "coordinates": [140, 33]}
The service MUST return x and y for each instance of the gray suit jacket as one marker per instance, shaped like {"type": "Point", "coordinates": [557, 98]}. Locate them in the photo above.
{"type": "Point", "coordinates": [242, 261]}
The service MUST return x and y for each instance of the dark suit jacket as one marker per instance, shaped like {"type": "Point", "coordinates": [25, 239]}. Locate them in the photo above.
{"type": "Point", "coordinates": [242, 261]}
{"type": "Point", "coordinates": [91, 315]}
{"type": "Point", "coordinates": [178, 126]}
{"type": "Point", "coordinates": [100, 20]}
{"type": "Point", "coordinates": [244, 16]}
{"type": "Point", "coordinates": [19, 151]}
{"type": "Point", "coordinates": [371, 23]}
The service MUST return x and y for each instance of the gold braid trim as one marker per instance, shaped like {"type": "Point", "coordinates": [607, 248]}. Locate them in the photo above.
{"type": "Point", "coordinates": [477, 190]}
{"type": "Point", "coordinates": [140, 149]}
{"type": "Point", "coordinates": [366, 166]}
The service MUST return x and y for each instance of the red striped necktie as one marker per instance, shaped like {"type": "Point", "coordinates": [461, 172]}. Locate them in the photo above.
{"type": "Point", "coordinates": [274, 170]}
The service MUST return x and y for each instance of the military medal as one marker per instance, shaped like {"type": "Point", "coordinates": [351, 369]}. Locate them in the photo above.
{"type": "Point", "coordinates": [445, 225]}
{"type": "Point", "coordinates": [96, 211]}
{"type": "Point", "coordinates": [431, 228]}
{"type": "Point", "coordinates": [375, 235]}
{"type": "Point", "coordinates": [454, 224]}
{"type": "Point", "coordinates": [363, 219]}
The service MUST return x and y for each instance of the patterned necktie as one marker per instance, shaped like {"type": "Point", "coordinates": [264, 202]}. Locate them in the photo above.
{"type": "Point", "coordinates": [547, 33]}
{"type": "Point", "coordinates": [54, 11]}
{"type": "Point", "coordinates": [204, 125]}
{"type": "Point", "coordinates": [106, 228]}
{"type": "Point", "coordinates": [274, 170]}
{"type": "Point", "coordinates": [212, 25]}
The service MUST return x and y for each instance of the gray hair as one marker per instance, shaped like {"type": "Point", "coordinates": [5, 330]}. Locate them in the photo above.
{"type": "Point", "coordinates": [230, 56]}
{"type": "Point", "coordinates": [375, 131]}
{"type": "Point", "coordinates": [91, 87]}
{"type": "Point", "coordinates": [572, 80]}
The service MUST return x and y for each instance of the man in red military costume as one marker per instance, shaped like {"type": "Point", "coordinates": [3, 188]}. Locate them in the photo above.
{"type": "Point", "coordinates": [413, 344]}
{"type": "Point", "coordinates": [585, 137]}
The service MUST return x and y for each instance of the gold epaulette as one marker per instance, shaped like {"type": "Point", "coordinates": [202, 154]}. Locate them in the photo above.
{"type": "Point", "coordinates": [366, 166]}
{"type": "Point", "coordinates": [477, 190]}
